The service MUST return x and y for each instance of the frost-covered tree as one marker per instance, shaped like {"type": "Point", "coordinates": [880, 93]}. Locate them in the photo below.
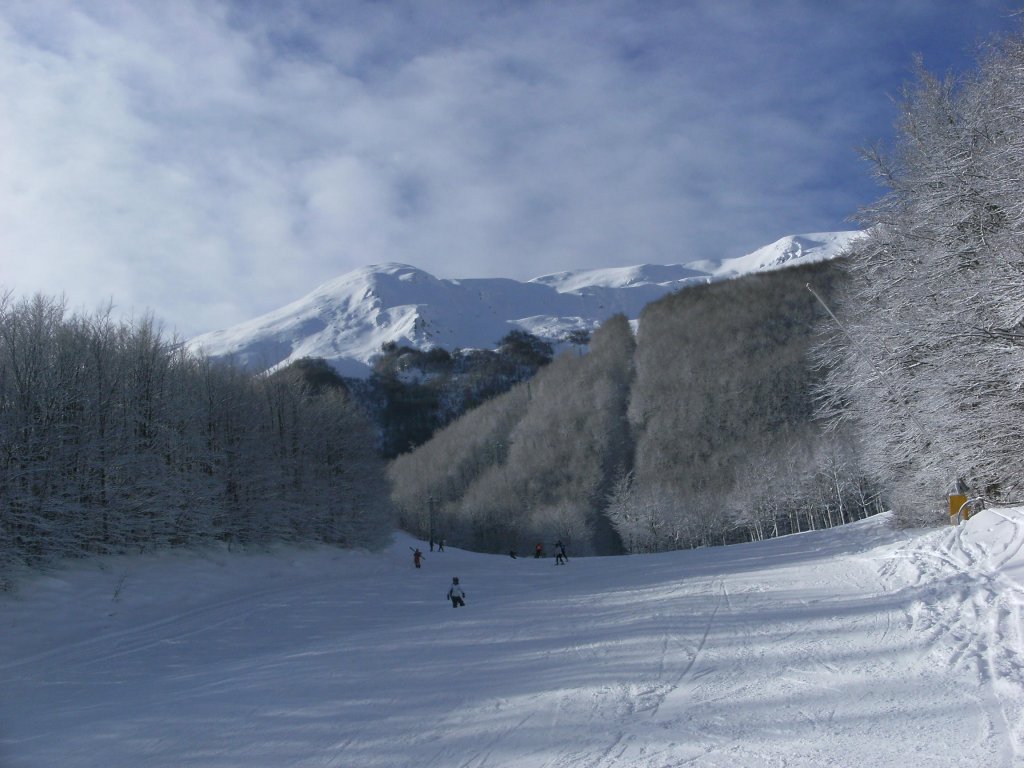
{"type": "Point", "coordinates": [723, 379]}
{"type": "Point", "coordinates": [534, 464]}
{"type": "Point", "coordinates": [112, 438]}
{"type": "Point", "coordinates": [700, 432]}
{"type": "Point", "coordinates": [929, 360]}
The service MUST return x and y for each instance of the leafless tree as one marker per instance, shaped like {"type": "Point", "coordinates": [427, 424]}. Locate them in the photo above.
{"type": "Point", "coordinates": [928, 356]}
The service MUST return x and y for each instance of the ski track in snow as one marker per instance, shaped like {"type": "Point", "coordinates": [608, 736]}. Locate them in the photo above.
{"type": "Point", "coordinates": [848, 647]}
{"type": "Point", "coordinates": [975, 625]}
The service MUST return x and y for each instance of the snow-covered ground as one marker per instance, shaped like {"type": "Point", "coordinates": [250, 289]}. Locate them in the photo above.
{"type": "Point", "coordinates": [858, 646]}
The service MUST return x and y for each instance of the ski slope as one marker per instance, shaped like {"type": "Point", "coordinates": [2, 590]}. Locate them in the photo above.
{"type": "Point", "coordinates": [859, 646]}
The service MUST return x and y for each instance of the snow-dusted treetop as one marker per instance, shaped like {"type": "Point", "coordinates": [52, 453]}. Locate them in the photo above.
{"type": "Point", "coordinates": [346, 320]}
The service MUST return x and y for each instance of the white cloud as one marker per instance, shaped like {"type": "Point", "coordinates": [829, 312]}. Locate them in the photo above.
{"type": "Point", "coordinates": [214, 160]}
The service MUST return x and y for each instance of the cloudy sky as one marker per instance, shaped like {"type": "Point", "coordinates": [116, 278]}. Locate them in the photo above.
{"type": "Point", "coordinates": [210, 160]}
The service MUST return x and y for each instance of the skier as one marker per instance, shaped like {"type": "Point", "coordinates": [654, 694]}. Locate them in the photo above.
{"type": "Point", "coordinates": [560, 558]}
{"type": "Point", "coordinates": [440, 546]}
{"type": "Point", "coordinates": [538, 551]}
{"type": "Point", "coordinates": [417, 557]}
{"type": "Point", "coordinates": [456, 594]}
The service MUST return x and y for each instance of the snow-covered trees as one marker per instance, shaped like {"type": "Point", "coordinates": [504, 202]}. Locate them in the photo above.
{"type": "Point", "coordinates": [722, 413]}
{"type": "Point", "coordinates": [533, 464]}
{"type": "Point", "coordinates": [412, 393]}
{"type": "Point", "coordinates": [700, 431]}
{"type": "Point", "coordinates": [112, 437]}
{"type": "Point", "coordinates": [929, 363]}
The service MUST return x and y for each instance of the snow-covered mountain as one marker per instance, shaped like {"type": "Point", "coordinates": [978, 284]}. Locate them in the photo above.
{"type": "Point", "coordinates": [345, 321]}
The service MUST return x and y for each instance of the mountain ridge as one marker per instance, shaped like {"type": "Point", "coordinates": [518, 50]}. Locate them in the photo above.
{"type": "Point", "coordinates": [346, 320]}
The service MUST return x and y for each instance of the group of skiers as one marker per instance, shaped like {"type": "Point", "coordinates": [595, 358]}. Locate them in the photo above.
{"type": "Point", "coordinates": [456, 593]}
{"type": "Point", "coordinates": [560, 557]}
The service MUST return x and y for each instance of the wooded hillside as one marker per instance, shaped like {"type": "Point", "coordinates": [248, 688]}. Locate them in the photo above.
{"type": "Point", "coordinates": [114, 439]}
{"type": "Point", "coordinates": [698, 431]}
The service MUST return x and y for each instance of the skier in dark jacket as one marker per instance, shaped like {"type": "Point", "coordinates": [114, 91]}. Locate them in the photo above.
{"type": "Point", "coordinates": [456, 593]}
{"type": "Point", "coordinates": [560, 557]}
{"type": "Point", "coordinates": [417, 557]}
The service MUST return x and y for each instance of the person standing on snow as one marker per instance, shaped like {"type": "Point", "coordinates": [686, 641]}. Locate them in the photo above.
{"type": "Point", "coordinates": [456, 593]}
{"type": "Point", "coordinates": [417, 557]}
{"type": "Point", "coordinates": [560, 558]}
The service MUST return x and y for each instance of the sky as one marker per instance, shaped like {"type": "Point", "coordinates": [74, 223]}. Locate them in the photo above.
{"type": "Point", "coordinates": [861, 645]}
{"type": "Point", "coordinates": [208, 161]}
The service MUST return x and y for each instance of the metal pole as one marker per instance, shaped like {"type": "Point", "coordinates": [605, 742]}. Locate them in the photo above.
{"type": "Point", "coordinates": [430, 512]}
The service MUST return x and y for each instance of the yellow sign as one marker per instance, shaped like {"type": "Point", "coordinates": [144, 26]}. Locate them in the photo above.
{"type": "Point", "coordinates": [958, 503]}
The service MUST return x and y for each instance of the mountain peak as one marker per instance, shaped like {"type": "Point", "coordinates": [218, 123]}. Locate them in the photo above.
{"type": "Point", "coordinates": [790, 250]}
{"type": "Point", "coordinates": [622, 277]}
{"type": "Point", "coordinates": [347, 319]}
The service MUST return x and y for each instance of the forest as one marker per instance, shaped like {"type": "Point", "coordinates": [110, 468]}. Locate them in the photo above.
{"type": "Point", "coordinates": [412, 393]}
{"type": "Point", "coordinates": [699, 429]}
{"type": "Point", "coordinates": [114, 439]}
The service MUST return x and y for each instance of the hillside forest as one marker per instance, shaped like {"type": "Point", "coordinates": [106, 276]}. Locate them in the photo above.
{"type": "Point", "coordinates": [700, 429]}
{"type": "Point", "coordinates": [114, 439]}
{"type": "Point", "coordinates": [412, 393]}
{"type": "Point", "coordinates": [744, 409]}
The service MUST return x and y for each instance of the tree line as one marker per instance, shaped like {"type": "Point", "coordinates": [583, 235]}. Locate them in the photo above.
{"type": "Point", "coordinates": [533, 462]}
{"type": "Point", "coordinates": [113, 438]}
{"type": "Point", "coordinates": [411, 393]}
{"type": "Point", "coordinates": [728, 446]}
{"type": "Point", "coordinates": [697, 430]}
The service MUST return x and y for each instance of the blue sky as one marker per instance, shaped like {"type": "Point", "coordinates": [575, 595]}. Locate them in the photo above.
{"type": "Point", "coordinates": [209, 161]}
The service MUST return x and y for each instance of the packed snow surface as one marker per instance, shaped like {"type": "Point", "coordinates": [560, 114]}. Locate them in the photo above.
{"type": "Point", "coordinates": [858, 646]}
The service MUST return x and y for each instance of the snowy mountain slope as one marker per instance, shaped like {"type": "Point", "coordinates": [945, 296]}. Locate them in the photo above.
{"type": "Point", "coordinates": [855, 646]}
{"type": "Point", "coordinates": [785, 252]}
{"type": "Point", "coordinates": [346, 320]}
